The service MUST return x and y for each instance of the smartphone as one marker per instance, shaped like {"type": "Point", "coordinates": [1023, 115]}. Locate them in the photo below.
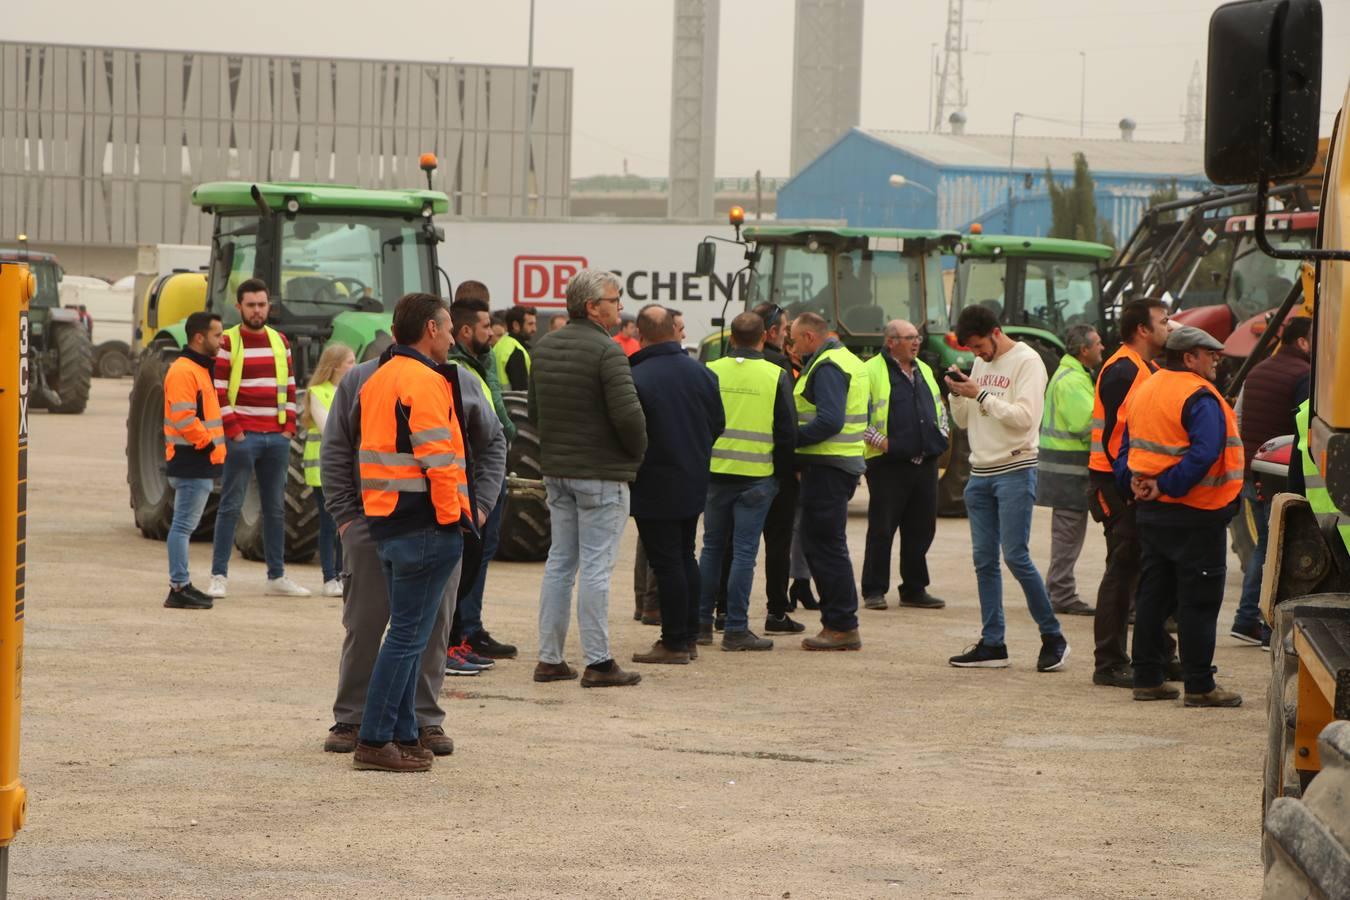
{"type": "Point", "coordinates": [957, 375]}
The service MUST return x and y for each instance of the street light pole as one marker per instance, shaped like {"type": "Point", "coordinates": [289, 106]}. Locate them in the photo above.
{"type": "Point", "coordinates": [1082, 94]}
{"type": "Point", "coordinates": [1012, 155]}
{"type": "Point", "coordinates": [529, 116]}
{"type": "Point", "coordinates": [932, 71]}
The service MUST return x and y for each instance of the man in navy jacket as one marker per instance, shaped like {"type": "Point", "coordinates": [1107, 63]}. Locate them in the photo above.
{"type": "Point", "coordinates": [683, 408]}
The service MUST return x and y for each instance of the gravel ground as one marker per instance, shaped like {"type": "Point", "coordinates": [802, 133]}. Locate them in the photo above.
{"type": "Point", "coordinates": [177, 754]}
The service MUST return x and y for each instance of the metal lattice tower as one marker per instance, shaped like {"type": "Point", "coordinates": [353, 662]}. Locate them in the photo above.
{"type": "Point", "coordinates": [693, 109]}
{"type": "Point", "coordinates": [951, 92]}
{"type": "Point", "coordinates": [826, 75]}
{"type": "Point", "coordinates": [1195, 108]}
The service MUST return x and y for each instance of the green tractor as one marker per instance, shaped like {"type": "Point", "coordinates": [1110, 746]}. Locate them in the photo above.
{"type": "Point", "coordinates": [859, 278]}
{"type": "Point", "coordinates": [60, 349]}
{"type": "Point", "coordinates": [337, 259]}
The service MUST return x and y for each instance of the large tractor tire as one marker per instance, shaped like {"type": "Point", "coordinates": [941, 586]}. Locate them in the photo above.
{"type": "Point", "coordinates": [956, 472]}
{"type": "Point", "coordinates": [1307, 841]}
{"type": "Point", "coordinates": [526, 532]}
{"type": "Point", "coordinates": [75, 367]}
{"type": "Point", "coordinates": [301, 514]}
{"type": "Point", "coordinates": [151, 495]}
{"type": "Point", "coordinates": [112, 359]}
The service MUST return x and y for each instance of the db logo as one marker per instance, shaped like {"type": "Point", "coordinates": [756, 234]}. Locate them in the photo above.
{"type": "Point", "coordinates": [542, 280]}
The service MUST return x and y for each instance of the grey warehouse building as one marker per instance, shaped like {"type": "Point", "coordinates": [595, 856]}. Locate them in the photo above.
{"type": "Point", "coordinates": [100, 147]}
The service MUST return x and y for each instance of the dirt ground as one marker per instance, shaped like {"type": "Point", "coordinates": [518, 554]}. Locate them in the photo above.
{"type": "Point", "coordinates": [177, 754]}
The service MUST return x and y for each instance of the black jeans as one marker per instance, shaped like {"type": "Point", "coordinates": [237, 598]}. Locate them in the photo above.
{"type": "Point", "coordinates": [825, 492]}
{"type": "Point", "coordinates": [1110, 624]}
{"type": "Point", "coordinates": [777, 551]}
{"type": "Point", "coordinates": [900, 495]}
{"type": "Point", "coordinates": [1182, 573]}
{"type": "Point", "coordinates": [670, 550]}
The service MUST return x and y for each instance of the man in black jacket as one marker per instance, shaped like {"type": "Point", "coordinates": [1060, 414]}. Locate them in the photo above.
{"type": "Point", "coordinates": [683, 412]}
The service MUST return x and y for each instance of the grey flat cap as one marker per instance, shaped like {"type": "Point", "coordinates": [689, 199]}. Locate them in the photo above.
{"type": "Point", "coordinates": [1188, 337]}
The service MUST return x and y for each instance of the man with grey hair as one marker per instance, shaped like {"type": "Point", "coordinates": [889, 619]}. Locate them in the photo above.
{"type": "Point", "coordinates": [592, 437]}
{"type": "Point", "coordinates": [1062, 467]}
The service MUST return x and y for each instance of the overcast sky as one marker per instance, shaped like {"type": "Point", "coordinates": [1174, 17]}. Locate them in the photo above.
{"type": "Point", "coordinates": [1022, 56]}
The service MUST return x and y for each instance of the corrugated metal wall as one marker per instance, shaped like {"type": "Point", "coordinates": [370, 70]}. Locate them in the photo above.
{"type": "Point", "coordinates": [103, 146]}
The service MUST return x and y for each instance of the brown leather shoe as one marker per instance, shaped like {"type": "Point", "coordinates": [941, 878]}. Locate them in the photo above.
{"type": "Point", "coordinates": [1161, 692]}
{"type": "Point", "coordinates": [389, 758]}
{"type": "Point", "coordinates": [1216, 697]}
{"type": "Point", "coordinates": [659, 654]}
{"type": "Point", "coordinates": [341, 738]}
{"type": "Point", "coordinates": [434, 738]}
{"type": "Point", "coordinates": [416, 750]}
{"type": "Point", "coordinates": [829, 639]}
{"type": "Point", "coordinates": [615, 677]}
{"type": "Point", "coordinates": [554, 672]}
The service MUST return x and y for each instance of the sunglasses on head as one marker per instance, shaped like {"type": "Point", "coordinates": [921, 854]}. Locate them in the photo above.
{"type": "Point", "coordinates": [776, 313]}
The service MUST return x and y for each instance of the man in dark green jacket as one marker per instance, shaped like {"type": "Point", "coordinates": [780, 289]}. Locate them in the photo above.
{"type": "Point", "coordinates": [592, 437]}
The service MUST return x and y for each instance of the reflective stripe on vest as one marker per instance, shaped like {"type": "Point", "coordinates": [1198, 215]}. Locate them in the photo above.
{"type": "Point", "coordinates": [1158, 439]}
{"type": "Point", "coordinates": [322, 396]}
{"type": "Point", "coordinates": [849, 441]}
{"type": "Point", "coordinates": [1098, 461]}
{"type": "Point", "coordinates": [879, 397]}
{"type": "Point", "coordinates": [502, 352]}
{"type": "Point", "coordinates": [278, 357]}
{"type": "Point", "coordinates": [1314, 485]}
{"type": "Point", "coordinates": [749, 388]}
{"type": "Point", "coordinates": [1057, 432]}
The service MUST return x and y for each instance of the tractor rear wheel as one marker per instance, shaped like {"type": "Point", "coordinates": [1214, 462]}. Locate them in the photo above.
{"type": "Point", "coordinates": [301, 513]}
{"type": "Point", "coordinates": [74, 366]}
{"type": "Point", "coordinates": [952, 482]}
{"type": "Point", "coordinates": [151, 495]}
{"type": "Point", "coordinates": [112, 360]}
{"type": "Point", "coordinates": [526, 531]}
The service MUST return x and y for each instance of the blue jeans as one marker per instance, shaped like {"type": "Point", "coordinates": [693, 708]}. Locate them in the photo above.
{"type": "Point", "coordinates": [588, 517]}
{"type": "Point", "coordinates": [330, 548]}
{"type": "Point", "coordinates": [1249, 607]}
{"type": "Point", "coordinates": [189, 500]}
{"type": "Point", "coordinates": [417, 567]}
{"type": "Point", "coordinates": [267, 455]}
{"type": "Point", "coordinates": [999, 507]}
{"type": "Point", "coordinates": [470, 610]}
{"type": "Point", "coordinates": [737, 509]}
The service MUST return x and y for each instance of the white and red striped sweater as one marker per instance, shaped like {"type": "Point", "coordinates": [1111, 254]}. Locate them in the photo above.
{"type": "Point", "coordinates": [255, 409]}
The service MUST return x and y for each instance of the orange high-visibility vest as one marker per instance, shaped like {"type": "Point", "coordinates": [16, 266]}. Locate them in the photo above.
{"type": "Point", "coordinates": [1158, 439]}
{"type": "Point", "coordinates": [412, 453]}
{"type": "Point", "coordinates": [1098, 461]}
{"type": "Point", "coordinates": [192, 411]}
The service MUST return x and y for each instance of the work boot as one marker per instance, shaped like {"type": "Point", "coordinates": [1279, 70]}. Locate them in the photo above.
{"type": "Point", "coordinates": [560, 671]}
{"type": "Point", "coordinates": [829, 639]}
{"type": "Point", "coordinates": [745, 640]}
{"type": "Point", "coordinates": [187, 597]}
{"type": "Point", "coordinates": [874, 602]}
{"type": "Point", "coordinates": [1075, 607]}
{"type": "Point", "coordinates": [800, 593]}
{"type": "Point", "coordinates": [720, 622]}
{"type": "Point", "coordinates": [434, 738]}
{"type": "Point", "coordinates": [705, 635]}
{"type": "Point", "coordinates": [609, 676]}
{"type": "Point", "coordinates": [390, 758]}
{"type": "Point", "coordinates": [652, 616]}
{"type": "Point", "coordinates": [782, 625]}
{"type": "Point", "coordinates": [484, 645]}
{"type": "Point", "coordinates": [1216, 697]}
{"type": "Point", "coordinates": [1160, 692]}
{"type": "Point", "coordinates": [341, 738]}
{"type": "Point", "coordinates": [659, 654]}
{"type": "Point", "coordinates": [923, 601]}
{"type": "Point", "coordinates": [1116, 676]}
{"type": "Point", "coordinates": [1172, 671]}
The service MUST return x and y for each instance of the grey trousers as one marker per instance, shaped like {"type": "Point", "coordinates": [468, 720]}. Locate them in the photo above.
{"type": "Point", "coordinates": [644, 584]}
{"type": "Point", "coordinates": [365, 615]}
{"type": "Point", "coordinates": [1068, 528]}
{"type": "Point", "coordinates": [797, 567]}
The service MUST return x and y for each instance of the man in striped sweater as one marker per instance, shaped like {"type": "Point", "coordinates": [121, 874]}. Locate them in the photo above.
{"type": "Point", "coordinates": [255, 382]}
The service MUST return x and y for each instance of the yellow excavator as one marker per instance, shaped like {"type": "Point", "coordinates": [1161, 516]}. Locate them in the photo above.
{"type": "Point", "coordinates": [1262, 122]}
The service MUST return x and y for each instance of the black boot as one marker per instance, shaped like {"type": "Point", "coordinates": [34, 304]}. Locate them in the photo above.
{"type": "Point", "coordinates": [800, 593]}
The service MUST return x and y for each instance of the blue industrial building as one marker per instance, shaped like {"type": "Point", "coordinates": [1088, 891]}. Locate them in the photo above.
{"type": "Point", "coordinates": [955, 180]}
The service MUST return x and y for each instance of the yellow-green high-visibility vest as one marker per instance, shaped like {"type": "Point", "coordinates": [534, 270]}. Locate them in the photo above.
{"type": "Point", "coordinates": [749, 388]}
{"type": "Point", "coordinates": [502, 351]}
{"type": "Point", "coordinates": [321, 395]}
{"type": "Point", "coordinates": [278, 356]}
{"type": "Point", "coordinates": [1314, 485]}
{"type": "Point", "coordinates": [849, 441]}
{"type": "Point", "coordinates": [879, 396]}
{"type": "Point", "coordinates": [482, 382]}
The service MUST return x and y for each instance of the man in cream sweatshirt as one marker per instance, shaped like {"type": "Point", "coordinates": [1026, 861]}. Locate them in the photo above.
{"type": "Point", "coordinates": [1000, 405]}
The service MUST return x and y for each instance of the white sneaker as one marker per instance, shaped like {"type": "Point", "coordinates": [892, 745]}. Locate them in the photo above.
{"type": "Point", "coordinates": [332, 588]}
{"type": "Point", "coordinates": [284, 587]}
{"type": "Point", "coordinates": [217, 588]}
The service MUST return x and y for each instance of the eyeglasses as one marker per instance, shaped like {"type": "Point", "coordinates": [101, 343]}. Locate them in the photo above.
{"type": "Point", "coordinates": [907, 337]}
{"type": "Point", "coordinates": [618, 299]}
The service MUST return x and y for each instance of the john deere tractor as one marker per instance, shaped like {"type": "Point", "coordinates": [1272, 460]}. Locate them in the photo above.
{"type": "Point", "coordinates": [336, 259]}
{"type": "Point", "coordinates": [60, 350]}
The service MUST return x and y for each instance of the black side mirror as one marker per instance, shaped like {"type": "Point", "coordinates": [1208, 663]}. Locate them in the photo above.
{"type": "Point", "coordinates": [706, 262]}
{"type": "Point", "coordinates": [1263, 101]}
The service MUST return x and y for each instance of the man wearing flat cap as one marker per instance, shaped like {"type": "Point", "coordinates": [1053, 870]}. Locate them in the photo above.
{"type": "Point", "coordinates": [1181, 458]}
